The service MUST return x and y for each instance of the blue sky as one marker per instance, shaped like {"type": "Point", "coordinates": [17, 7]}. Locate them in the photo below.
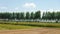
{"type": "Point", "coordinates": [28, 5]}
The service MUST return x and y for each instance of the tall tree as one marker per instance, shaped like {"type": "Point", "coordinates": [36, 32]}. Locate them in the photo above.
{"type": "Point", "coordinates": [21, 15]}
{"type": "Point", "coordinates": [27, 15]}
{"type": "Point", "coordinates": [57, 15]}
{"type": "Point", "coordinates": [32, 15]}
{"type": "Point", "coordinates": [37, 15]}
{"type": "Point", "coordinates": [53, 15]}
{"type": "Point", "coordinates": [17, 15]}
{"type": "Point", "coordinates": [43, 15]}
{"type": "Point", "coordinates": [13, 15]}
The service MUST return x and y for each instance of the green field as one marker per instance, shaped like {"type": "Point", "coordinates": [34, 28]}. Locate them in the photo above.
{"type": "Point", "coordinates": [26, 25]}
{"type": "Point", "coordinates": [9, 27]}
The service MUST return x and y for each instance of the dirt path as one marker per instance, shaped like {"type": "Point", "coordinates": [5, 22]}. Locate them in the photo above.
{"type": "Point", "coordinates": [32, 31]}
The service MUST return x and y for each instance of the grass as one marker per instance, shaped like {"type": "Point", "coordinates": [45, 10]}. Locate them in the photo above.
{"type": "Point", "coordinates": [11, 27]}
{"type": "Point", "coordinates": [37, 24]}
{"type": "Point", "coordinates": [27, 25]}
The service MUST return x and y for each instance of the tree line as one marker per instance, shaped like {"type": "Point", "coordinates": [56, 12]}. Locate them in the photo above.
{"type": "Point", "coordinates": [32, 15]}
{"type": "Point", "coordinates": [51, 15]}
{"type": "Point", "coordinates": [20, 15]}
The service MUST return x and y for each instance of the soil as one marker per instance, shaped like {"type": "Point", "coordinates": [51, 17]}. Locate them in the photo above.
{"type": "Point", "coordinates": [32, 31]}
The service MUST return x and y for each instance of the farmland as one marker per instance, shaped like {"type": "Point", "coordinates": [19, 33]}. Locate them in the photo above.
{"type": "Point", "coordinates": [7, 27]}
{"type": "Point", "coordinates": [26, 25]}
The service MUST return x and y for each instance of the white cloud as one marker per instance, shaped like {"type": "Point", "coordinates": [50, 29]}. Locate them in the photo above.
{"type": "Point", "coordinates": [3, 8]}
{"type": "Point", "coordinates": [29, 5]}
{"type": "Point", "coordinates": [16, 8]}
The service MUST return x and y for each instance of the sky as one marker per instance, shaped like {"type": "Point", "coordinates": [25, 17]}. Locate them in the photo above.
{"type": "Point", "coordinates": [28, 5]}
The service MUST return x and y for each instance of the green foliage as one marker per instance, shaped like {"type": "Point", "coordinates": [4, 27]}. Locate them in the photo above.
{"type": "Point", "coordinates": [32, 15]}
{"type": "Point", "coordinates": [51, 15]}
{"type": "Point", "coordinates": [27, 15]}
{"type": "Point", "coordinates": [37, 15]}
